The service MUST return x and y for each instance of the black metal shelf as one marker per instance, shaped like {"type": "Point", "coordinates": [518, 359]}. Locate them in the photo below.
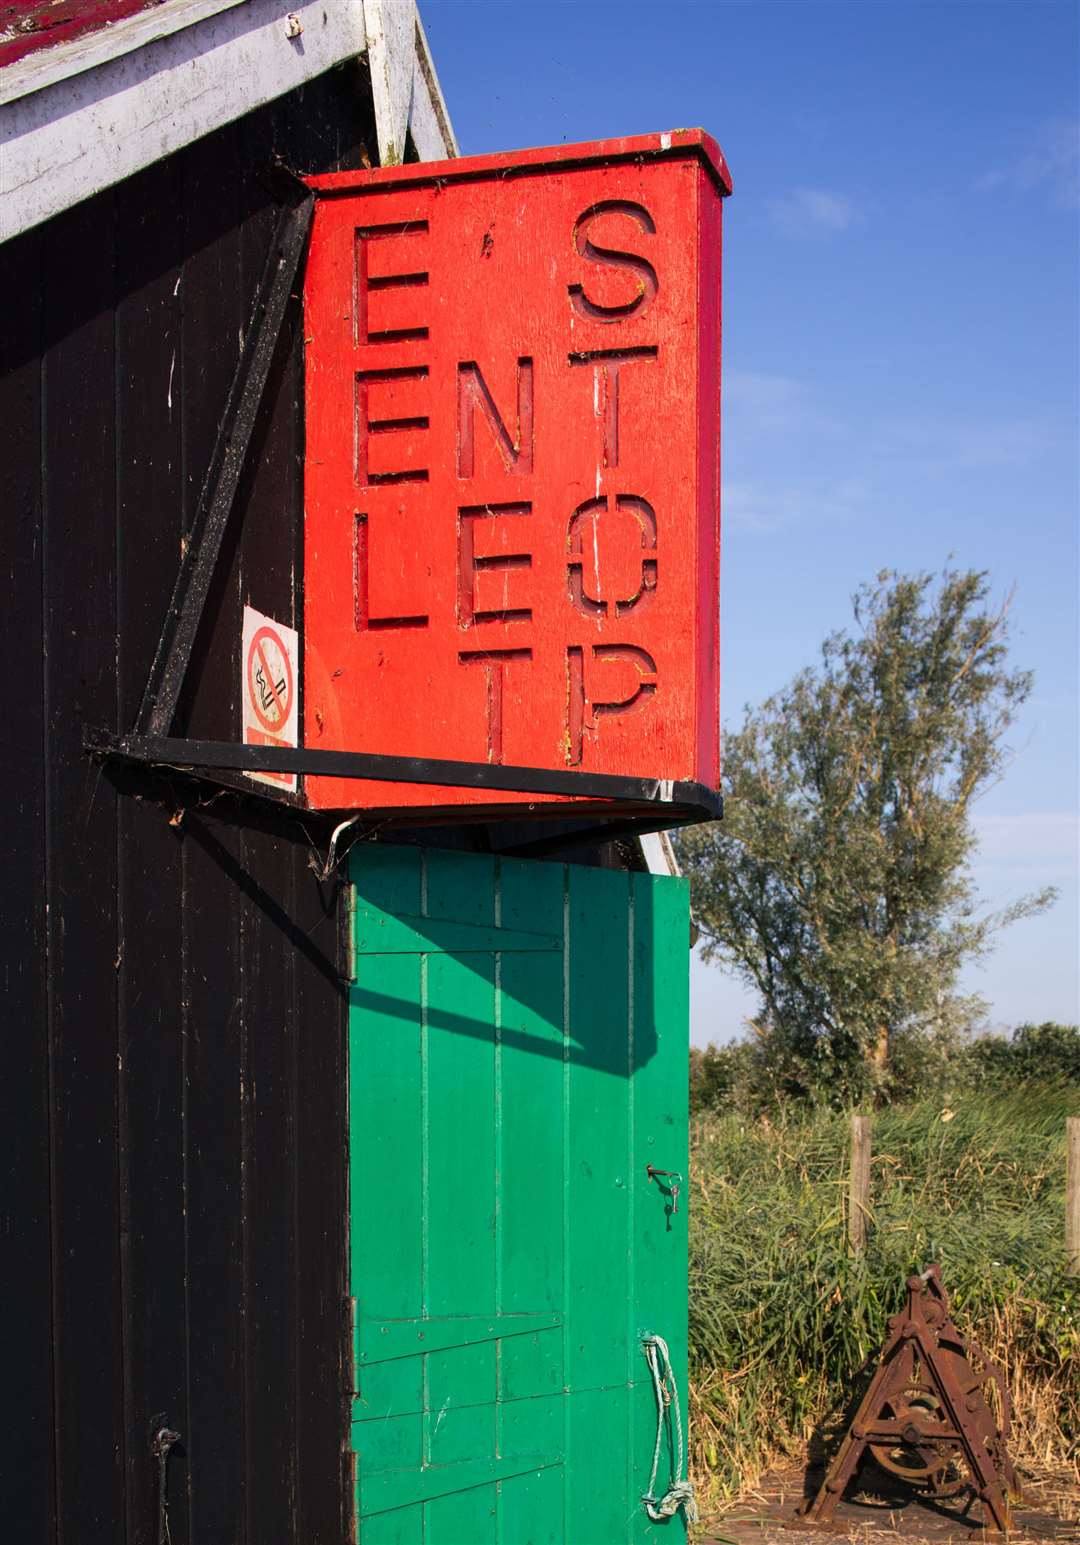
{"type": "Point", "coordinates": [677, 801]}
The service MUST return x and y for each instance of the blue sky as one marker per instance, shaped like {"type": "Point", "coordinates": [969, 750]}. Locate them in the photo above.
{"type": "Point", "coordinates": [901, 341]}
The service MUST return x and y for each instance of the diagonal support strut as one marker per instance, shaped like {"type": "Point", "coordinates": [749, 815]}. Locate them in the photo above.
{"type": "Point", "coordinates": [197, 566]}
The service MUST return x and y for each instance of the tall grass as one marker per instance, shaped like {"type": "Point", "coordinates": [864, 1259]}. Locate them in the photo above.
{"type": "Point", "coordinates": [783, 1318]}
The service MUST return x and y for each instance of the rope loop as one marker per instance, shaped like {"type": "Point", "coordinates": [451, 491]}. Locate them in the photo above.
{"type": "Point", "coordinates": [680, 1491]}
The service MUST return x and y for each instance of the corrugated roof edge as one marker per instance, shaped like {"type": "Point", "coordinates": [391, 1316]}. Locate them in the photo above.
{"type": "Point", "coordinates": [663, 146]}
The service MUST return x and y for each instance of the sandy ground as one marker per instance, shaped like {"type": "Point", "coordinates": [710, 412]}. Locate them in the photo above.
{"type": "Point", "coordinates": [1050, 1512]}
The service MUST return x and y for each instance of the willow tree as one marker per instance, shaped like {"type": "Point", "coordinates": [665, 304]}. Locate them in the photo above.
{"type": "Point", "coordinates": [838, 884]}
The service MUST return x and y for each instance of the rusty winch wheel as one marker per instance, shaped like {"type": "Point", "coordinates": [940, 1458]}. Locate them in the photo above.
{"type": "Point", "coordinates": [935, 1468]}
{"type": "Point", "coordinates": [937, 1414]}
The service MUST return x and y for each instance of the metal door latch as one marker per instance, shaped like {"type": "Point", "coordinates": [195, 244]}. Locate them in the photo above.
{"type": "Point", "coordinates": [668, 1174]}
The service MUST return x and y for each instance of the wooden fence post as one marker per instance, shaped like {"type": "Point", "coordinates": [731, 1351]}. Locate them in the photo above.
{"type": "Point", "coordinates": [859, 1185]}
{"type": "Point", "coordinates": [1072, 1194]}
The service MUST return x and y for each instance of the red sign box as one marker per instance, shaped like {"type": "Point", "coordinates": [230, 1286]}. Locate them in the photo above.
{"type": "Point", "coordinates": [512, 480]}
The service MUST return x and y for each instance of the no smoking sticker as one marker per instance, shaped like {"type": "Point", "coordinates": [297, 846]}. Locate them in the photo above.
{"type": "Point", "coordinates": [269, 670]}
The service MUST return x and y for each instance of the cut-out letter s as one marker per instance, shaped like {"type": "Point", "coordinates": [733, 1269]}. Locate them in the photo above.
{"type": "Point", "coordinates": [647, 283]}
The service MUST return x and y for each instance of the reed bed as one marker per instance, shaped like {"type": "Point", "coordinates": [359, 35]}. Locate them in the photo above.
{"type": "Point", "coordinates": [783, 1318]}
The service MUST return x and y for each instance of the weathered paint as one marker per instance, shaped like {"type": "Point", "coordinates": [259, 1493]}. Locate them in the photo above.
{"type": "Point", "coordinates": [512, 491]}
{"type": "Point", "coordinates": [152, 82]}
{"type": "Point", "coordinates": [26, 26]}
{"type": "Point", "coordinates": [392, 47]}
{"type": "Point", "coordinates": [517, 1057]}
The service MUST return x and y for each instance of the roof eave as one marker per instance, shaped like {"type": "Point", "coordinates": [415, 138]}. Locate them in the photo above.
{"type": "Point", "coordinates": [87, 114]}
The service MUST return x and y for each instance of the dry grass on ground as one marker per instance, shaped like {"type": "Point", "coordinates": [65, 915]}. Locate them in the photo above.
{"type": "Point", "coordinates": [1050, 1512]}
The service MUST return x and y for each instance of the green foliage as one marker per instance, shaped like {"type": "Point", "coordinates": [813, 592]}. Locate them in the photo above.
{"type": "Point", "coordinates": [718, 1076]}
{"type": "Point", "coordinates": [1046, 1053]}
{"type": "Point", "coordinates": [783, 1318]}
{"type": "Point", "coordinates": [838, 884]}
{"type": "Point", "coordinates": [741, 1076]}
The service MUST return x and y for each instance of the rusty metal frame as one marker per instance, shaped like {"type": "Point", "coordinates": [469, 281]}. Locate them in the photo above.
{"type": "Point", "coordinates": [963, 1427]}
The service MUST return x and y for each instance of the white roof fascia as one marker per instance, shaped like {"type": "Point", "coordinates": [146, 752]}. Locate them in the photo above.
{"type": "Point", "coordinates": [139, 99]}
{"type": "Point", "coordinates": [67, 141]}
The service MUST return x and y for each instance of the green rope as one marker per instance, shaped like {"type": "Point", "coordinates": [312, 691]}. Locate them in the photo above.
{"type": "Point", "coordinates": [680, 1491]}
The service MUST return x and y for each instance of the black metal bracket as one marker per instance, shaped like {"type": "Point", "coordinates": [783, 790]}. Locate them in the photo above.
{"type": "Point", "coordinates": [181, 625]}
{"type": "Point", "coordinates": [676, 800]}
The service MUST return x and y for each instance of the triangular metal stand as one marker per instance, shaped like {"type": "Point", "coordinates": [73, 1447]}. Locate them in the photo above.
{"type": "Point", "coordinates": [926, 1418]}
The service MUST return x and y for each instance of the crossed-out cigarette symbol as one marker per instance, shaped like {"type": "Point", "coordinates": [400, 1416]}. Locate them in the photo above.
{"type": "Point", "coordinates": [271, 691]}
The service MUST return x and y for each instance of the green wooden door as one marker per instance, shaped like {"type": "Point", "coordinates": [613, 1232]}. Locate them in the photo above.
{"type": "Point", "coordinates": [518, 1056]}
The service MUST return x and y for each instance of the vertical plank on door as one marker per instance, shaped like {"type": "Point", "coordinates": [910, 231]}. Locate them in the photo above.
{"type": "Point", "coordinates": [460, 1031]}
{"type": "Point", "coordinates": [531, 1266]}
{"type": "Point", "coordinates": [598, 1240]}
{"type": "Point", "coordinates": [386, 1176]}
{"type": "Point", "coordinates": [659, 961]}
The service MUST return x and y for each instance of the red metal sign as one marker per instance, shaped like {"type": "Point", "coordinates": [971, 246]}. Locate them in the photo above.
{"type": "Point", "coordinates": [512, 485]}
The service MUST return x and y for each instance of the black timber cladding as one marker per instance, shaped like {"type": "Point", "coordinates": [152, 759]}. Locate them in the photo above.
{"type": "Point", "coordinates": [173, 1057]}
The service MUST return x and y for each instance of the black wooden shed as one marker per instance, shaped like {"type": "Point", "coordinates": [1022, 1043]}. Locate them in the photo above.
{"type": "Point", "coordinates": [173, 1010]}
